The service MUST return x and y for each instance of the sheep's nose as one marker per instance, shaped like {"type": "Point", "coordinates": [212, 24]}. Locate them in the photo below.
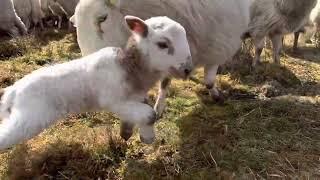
{"type": "Point", "coordinates": [187, 71]}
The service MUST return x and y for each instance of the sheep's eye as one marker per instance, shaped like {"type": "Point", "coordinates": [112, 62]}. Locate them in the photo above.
{"type": "Point", "coordinates": [162, 45]}
{"type": "Point", "coordinates": [102, 18]}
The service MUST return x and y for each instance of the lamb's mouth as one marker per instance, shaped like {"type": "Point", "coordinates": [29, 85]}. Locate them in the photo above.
{"type": "Point", "coordinates": [181, 74]}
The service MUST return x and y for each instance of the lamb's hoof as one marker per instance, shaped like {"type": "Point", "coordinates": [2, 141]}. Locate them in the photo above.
{"type": "Point", "coordinates": [147, 140]}
{"type": "Point", "coordinates": [126, 131]}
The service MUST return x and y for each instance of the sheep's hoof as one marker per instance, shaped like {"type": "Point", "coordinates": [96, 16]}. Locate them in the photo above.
{"type": "Point", "coordinates": [147, 140]}
{"type": "Point", "coordinates": [152, 118]}
{"type": "Point", "coordinates": [126, 130]}
{"type": "Point", "coordinates": [218, 98]}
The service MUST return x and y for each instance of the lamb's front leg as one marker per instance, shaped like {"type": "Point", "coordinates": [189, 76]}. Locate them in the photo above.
{"type": "Point", "coordinates": [138, 113]}
{"type": "Point", "coordinates": [161, 100]}
{"type": "Point", "coordinates": [210, 74]}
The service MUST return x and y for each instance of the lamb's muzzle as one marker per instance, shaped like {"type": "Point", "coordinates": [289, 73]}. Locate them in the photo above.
{"type": "Point", "coordinates": [184, 70]}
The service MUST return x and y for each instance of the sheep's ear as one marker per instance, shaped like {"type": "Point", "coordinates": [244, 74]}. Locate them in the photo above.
{"type": "Point", "coordinates": [137, 25]}
{"type": "Point", "coordinates": [112, 2]}
{"type": "Point", "coordinates": [73, 21]}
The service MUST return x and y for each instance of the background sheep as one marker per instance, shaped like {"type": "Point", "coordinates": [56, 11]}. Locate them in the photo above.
{"type": "Point", "coordinates": [9, 21]}
{"type": "Point", "coordinates": [213, 28]}
{"type": "Point", "coordinates": [275, 18]}
{"type": "Point", "coordinates": [312, 26]}
{"type": "Point", "coordinates": [59, 9]}
{"type": "Point", "coordinates": [23, 10]}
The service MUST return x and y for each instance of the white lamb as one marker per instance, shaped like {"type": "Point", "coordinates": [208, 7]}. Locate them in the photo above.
{"type": "Point", "coordinates": [9, 20]}
{"type": "Point", "coordinates": [111, 79]}
{"type": "Point", "coordinates": [213, 28]}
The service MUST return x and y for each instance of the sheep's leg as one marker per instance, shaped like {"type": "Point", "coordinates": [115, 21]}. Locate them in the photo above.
{"type": "Point", "coordinates": [210, 74]}
{"type": "Point", "coordinates": [258, 43]}
{"type": "Point", "coordinates": [296, 40]}
{"type": "Point", "coordinates": [277, 45]}
{"type": "Point", "coordinates": [14, 32]}
{"type": "Point", "coordinates": [137, 113]}
{"type": "Point", "coordinates": [161, 100]}
{"type": "Point", "coordinates": [41, 24]}
{"type": "Point", "coordinates": [59, 22]}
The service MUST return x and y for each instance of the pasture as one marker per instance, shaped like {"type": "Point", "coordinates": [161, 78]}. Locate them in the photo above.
{"type": "Point", "coordinates": [268, 128]}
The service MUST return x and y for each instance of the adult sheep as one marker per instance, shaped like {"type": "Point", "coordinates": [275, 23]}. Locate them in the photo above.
{"type": "Point", "coordinates": [213, 28]}
{"type": "Point", "coordinates": [313, 24]}
{"type": "Point", "coordinates": [23, 9]}
{"type": "Point", "coordinates": [276, 18]}
{"type": "Point", "coordinates": [9, 20]}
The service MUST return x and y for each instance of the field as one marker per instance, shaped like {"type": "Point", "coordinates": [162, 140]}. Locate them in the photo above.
{"type": "Point", "coordinates": [268, 128]}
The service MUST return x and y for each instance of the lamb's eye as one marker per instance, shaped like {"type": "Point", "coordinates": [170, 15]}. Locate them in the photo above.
{"type": "Point", "coordinates": [102, 18]}
{"type": "Point", "coordinates": [162, 45]}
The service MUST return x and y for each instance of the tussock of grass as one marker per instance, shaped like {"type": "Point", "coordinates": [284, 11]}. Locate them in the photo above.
{"type": "Point", "coordinates": [268, 128]}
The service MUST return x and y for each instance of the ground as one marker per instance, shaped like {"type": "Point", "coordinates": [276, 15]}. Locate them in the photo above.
{"type": "Point", "coordinates": [268, 128]}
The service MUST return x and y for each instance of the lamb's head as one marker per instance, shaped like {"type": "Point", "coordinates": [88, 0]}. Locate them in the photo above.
{"type": "Point", "coordinates": [164, 43]}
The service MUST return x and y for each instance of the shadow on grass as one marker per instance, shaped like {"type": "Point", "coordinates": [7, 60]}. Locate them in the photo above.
{"type": "Point", "coordinates": [306, 53]}
{"type": "Point", "coordinates": [242, 140]}
{"type": "Point", "coordinates": [66, 160]}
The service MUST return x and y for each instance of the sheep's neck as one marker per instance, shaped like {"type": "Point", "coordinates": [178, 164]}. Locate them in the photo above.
{"type": "Point", "coordinates": [139, 75]}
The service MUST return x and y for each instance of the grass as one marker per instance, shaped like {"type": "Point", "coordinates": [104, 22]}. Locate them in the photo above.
{"type": "Point", "coordinates": [268, 128]}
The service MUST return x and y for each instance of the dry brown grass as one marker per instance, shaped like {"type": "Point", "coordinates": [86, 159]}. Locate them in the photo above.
{"type": "Point", "coordinates": [269, 127]}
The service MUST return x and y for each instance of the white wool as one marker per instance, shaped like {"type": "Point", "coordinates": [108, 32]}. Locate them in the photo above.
{"type": "Point", "coordinates": [99, 81]}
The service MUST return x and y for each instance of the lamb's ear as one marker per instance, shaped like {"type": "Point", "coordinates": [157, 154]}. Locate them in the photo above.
{"type": "Point", "coordinates": [73, 21]}
{"type": "Point", "coordinates": [137, 25]}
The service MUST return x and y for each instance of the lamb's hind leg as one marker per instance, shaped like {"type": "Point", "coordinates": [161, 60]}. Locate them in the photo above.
{"type": "Point", "coordinates": [161, 100]}
{"type": "Point", "coordinates": [137, 113]}
{"type": "Point", "coordinates": [24, 125]}
{"type": "Point", "coordinates": [210, 74]}
{"type": "Point", "coordinates": [277, 45]}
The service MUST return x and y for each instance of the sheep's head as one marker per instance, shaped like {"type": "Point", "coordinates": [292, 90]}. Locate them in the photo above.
{"type": "Point", "coordinates": [164, 42]}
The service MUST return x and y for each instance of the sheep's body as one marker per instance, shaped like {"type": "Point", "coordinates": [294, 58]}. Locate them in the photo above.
{"type": "Point", "coordinates": [110, 79]}
{"type": "Point", "coordinates": [313, 24]}
{"type": "Point", "coordinates": [275, 18]}
{"type": "Point", "coordinates": [213, 28]}
{"type": "Point", "coordinates": [23, 9]}
{"type": "Point", "coordinates": [69, 6]}
{"type": "Point", "coordinates": [9, 20]}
